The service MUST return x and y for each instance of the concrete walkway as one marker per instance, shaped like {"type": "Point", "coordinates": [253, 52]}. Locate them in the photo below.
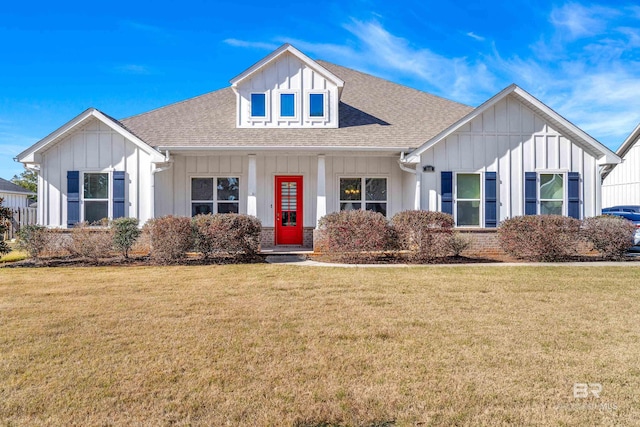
{"type": "Point", "coordinates": [301, 260]}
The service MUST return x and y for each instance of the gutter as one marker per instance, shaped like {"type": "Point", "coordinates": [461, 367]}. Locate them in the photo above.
{"type": "Point", "coordinates": [402, 161]}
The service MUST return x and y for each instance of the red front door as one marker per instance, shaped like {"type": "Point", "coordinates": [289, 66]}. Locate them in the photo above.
{"type": "Point", "coordinates": [288, 210]}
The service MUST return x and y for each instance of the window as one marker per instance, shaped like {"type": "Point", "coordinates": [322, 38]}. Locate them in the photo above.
{"type": "Point", "coordinates": [373, 198]}
{"type": "Point", "coordinates": [95, 194]}
{"type": "Point", "coordinates": [551, 193]}
{"type": "Point", "coordinates": [209, 195]}
{"type": "Point", "coordinates": [468, 198]}
{"type": "Point", "coordinates": [258, 105]}
{"type": "Point", "coordinates": [316, 105]}
{"type": "Point", "coordinates": [287, 105]}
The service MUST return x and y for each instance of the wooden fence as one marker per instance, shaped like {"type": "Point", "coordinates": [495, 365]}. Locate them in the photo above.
{"type": "Point", "coordinates": [21, 217]}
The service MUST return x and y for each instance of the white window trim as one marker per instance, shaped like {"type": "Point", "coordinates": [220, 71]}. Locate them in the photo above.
{"type": "Point", "coordinates": [363, 183]}
{"type": "Point", "coordinates": [307, 106]}
{"type": "Point", "coordinates": [109, 200]}
{"type": "Point", "coordinates": [565, 189]}
{"type": "Point", "coordinates": [296, 105]}
{"type": "Point", "coordinates": [455, 198]}
{"type": "Point", "coordinates": [215, 200]}
{"type": "Point", "coordinates": [267, 107]}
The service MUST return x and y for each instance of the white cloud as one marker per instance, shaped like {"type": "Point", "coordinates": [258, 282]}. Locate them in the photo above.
{"type": "Point", "coordinates": [578, 21]}
{"type": "Point", "coordinates": [249, 44]}
{"type": "Point", "coordinates": [475, 36]}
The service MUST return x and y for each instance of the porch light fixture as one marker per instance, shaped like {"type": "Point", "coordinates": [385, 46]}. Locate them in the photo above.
{"type": "Point", "coordinates": [428, 168]}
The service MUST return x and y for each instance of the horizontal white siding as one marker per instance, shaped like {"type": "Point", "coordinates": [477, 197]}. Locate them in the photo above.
{"type": "Point", "coordinates": [93, 148]}
{"type": "Point", "coordinates": [509, 139]}
{"type": "Point", "coordinates": [622, 185]}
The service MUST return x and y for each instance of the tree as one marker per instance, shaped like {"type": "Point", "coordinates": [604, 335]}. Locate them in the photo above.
{"type": "Point", "coordinates": [28, 180]}
{"type": "Point", "coordinates": [5, 216]}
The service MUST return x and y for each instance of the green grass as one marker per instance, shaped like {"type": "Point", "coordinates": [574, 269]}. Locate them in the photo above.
{"type": "Point", "coordinates": [289, 345]}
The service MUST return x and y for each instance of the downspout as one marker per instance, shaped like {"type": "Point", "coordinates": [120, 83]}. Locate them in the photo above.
{"type": "Point", "coordinates": [601, 172]}
{"type": "Point", "coordinates": [154, 171]}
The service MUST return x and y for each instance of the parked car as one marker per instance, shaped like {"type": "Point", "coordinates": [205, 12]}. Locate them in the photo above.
{"type": "Point", "coordinates": [633, 216]}
{"type": "Point", "coordinates": [622, 208]}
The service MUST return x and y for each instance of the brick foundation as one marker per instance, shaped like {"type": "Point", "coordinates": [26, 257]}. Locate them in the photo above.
{"type": "Point", "coordinates": [485, 244]}
{"type": "Point", "coordinates": [268, 237]}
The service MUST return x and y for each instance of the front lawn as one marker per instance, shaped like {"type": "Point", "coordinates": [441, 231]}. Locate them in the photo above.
{"type": "Point", "coordinates": [290, 345]}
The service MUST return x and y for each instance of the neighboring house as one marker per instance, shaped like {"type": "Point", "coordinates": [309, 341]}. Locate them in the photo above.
{"type": "Point", "coordinates": [293, 139]}
{"type": "Point", "coordinates": [621, 184]}
{"type": "Point", "coordinates": [14, 196]}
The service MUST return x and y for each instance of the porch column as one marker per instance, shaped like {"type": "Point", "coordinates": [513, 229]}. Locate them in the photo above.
{"type": "Point", "coordinates": [252, 204]}
{"type": "Point", "coordinates": [416, 200]}
{"type": "Point", "coordinates": [321, 202]}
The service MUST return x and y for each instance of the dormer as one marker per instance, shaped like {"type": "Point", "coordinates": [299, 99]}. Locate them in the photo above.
{"type": "Point", "coordinates": [287, 89]}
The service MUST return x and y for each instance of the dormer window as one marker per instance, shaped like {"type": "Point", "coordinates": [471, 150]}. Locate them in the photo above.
{"type": "Point", "coordinates": [316, 105]}
{"type": "Point", "coordinates": [258, 105]}
{"type": "Point", "coordinates": [316, 108]}
{"type": "Point", "coordinates": [287, 105]}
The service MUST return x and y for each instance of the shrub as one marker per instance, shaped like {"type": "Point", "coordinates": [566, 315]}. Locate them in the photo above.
{"type": "Point", "coordinates": [354, 236]}
{"type": "Point", "coordinates": [171, 237]}
{"type": "Point", "coordinates": [610, 235]}
{"type": "Point", "coordinates": [540, 237]}
{"type": "Point", "coordinates": [226, 233]}
{"type": "Point", "coordinates": [458, 242]}
{"type": "Point", "coordinates": [90, 242]}
{"type": "Point", "coordinates": [5, 215]}
{"type": "Point", "coordinates": [425, 234]}
{"type": "Point", "coordinates": [125, 233]}
{"type": "Point", "coordinates": [34, 239]}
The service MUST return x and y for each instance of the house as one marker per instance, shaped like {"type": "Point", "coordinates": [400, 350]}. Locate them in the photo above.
{"type": "Point", "coordinates": [14, 196]}
{"type": "Point", "coordinates": [621, 185]}
{"type": "Point", "coordinates": [292, 139]}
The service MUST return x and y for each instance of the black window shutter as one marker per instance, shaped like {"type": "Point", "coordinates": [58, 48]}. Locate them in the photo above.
{"type": "Point", "coordinates": [73, 198]}
{"type": "Point", "coordinates": [446, 183]}
{"type": "Point", "coordinates": [490, 200]}
{"type": "Point", "coordinates": [530, 193]}
{"type": "Point", "coordinates": [118, 194]}
{"type": "Point", "coordinates": [573, 192]}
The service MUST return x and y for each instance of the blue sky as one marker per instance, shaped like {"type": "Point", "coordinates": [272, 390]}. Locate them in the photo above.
{"type": "Point", "coordinates": [124, 58]}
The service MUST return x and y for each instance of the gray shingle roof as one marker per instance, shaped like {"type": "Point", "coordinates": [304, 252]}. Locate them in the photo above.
{"type": "Point", "coordinates": [374, 113]}
{"type": "Point", "coordinates": [10, 187]}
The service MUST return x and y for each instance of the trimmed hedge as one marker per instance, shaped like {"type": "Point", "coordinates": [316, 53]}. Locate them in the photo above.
{"type": "Point", "coordinates": [171, 237]}
{"type": "Point", "coordinates": [426, 235]}
{"type": "Point", "coordinates": [90, 242]}
{"type": "Point", "coordinates": [356, 235]}
{"type": "Point", "coordinates": [611, 236]}
{"type": "Point", "coordinates": [234, 234]}
{"type": "Point", "coordinates": [540, 237]}
{"type": "Point", "coordinates": [34, 239]}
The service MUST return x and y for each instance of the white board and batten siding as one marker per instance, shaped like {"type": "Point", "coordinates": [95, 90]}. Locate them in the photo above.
{"type": "Point", "coordinates": [173, 191]}
{"type": "Point", "coordinates": [509, 139]}
{"type": "Point", "coordinates": [93, 148]}
{"type": "Point", "coordinates": [287, 74]}
{"type": "Point", "coordinates": [622, 185]}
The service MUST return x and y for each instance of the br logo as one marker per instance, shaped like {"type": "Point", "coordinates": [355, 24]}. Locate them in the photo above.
{"type": "Point", "coordinates": [582, 390]}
